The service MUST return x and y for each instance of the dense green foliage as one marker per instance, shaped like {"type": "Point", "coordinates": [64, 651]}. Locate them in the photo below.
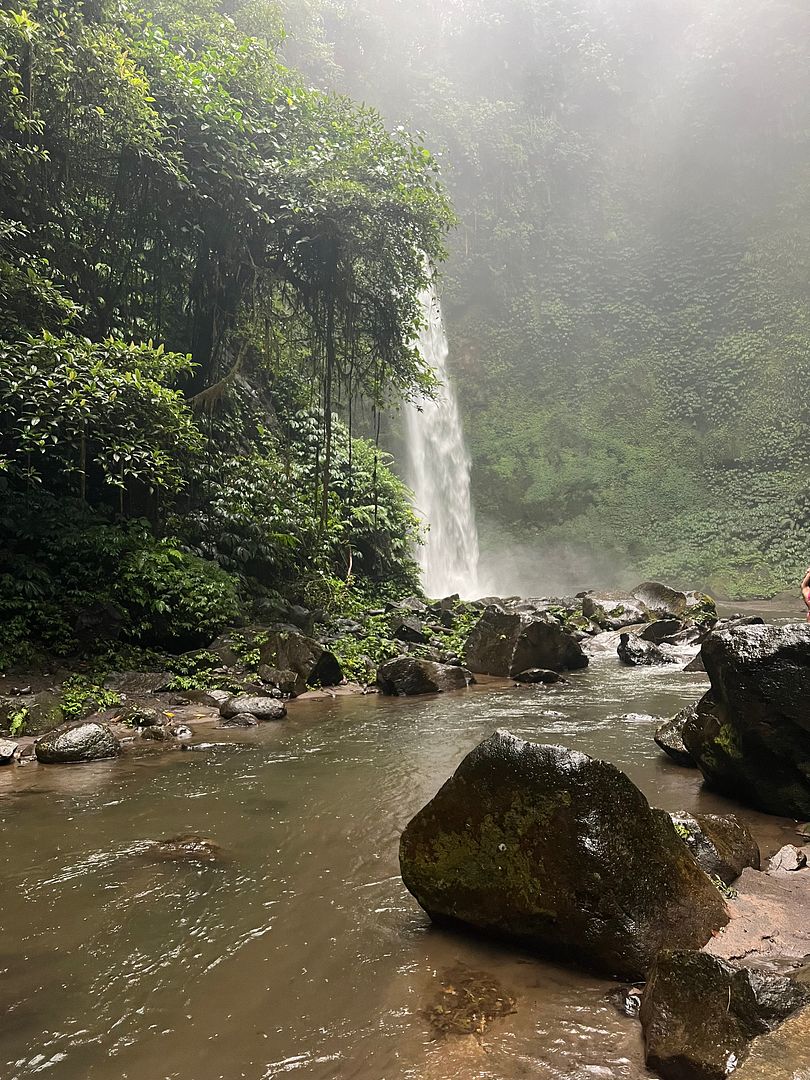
{"type": "Point", "coordinates": [627, 296]}
{"type": "Point", "coordinates": [207, 269]}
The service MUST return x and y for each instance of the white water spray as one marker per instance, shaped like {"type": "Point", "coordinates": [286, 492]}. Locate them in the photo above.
{"type": "Point", "coordinates": [439, 473]}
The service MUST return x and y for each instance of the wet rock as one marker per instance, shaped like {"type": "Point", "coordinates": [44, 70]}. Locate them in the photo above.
{"type": "Point", "coordinates": [721, 843]}
{"type": "Point", "coordinates": [506, 643]}
{"type": "Point", "coordinates": [750, 736]}
{"type": "Point", "coordinates": [626, 999]}
{"type": "Point", "coordinates": [637, 653]}
{"type": "Point", "coordinates": [142, 716]}
{"type": "Point", "coordinates": [700, 1014]}
{"type": "Point", "coordinates": [312, 663]}
{"type": "Point", "coordinates": [560, 852]}
{"type": "Point", "coordinates": [188, 848]}
{"type": "Point", "coordinates": [180, 731]}
{"type": "Point", "coordinates": [613, 611]}
{"type": "Point", "coordinates": [86, 741]}
{"type": "Point", "coordinates": [410, 675]}
{"type": "Point", "coordinates": [467, 1003]}
{"type": "Point", "coordinates": [669, 736]}
{"type": "Point", "coordinates": [282, 679]}
{"type": "Point", "coordinates": [408, 629]}
{"type": "Point", "coordinates": [41, 712]}
{"type": "Point", "coordinates": [156, 733]}
{"type": "Point", "coordinates": [788, 859]}
{"type": "Point", "coordinates": [695, 664]}
{"type": "Point", "coordinates": [768, 921]}
{"type": "Point", "coordinates": [661, 601]}
{"type": "Point", "coordinates": [539, 675]}
{"type": "Point", "coordinates": [8, 748]}
{"type": "Point", "coordinates": [662, 630]}
{"type": "Point", "coordinates": [242, 719]}
{"type": "Point", "coordinates": [263, 708]}
{"type": "Point", "coordinates": [212, 698]}
{"type": "Point", "coordinates": [782, 1054]}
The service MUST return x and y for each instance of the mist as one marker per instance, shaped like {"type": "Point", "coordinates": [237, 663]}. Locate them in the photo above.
{"type": "Point", "coordinates": [625, 292]}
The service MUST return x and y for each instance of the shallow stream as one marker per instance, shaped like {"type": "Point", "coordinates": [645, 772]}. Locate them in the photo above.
{"type": "Point", "coordinates": [301, 953]}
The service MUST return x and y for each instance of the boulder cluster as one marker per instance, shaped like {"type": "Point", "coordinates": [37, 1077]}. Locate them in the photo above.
{"type": "Point", "coordinates": [549, 848]}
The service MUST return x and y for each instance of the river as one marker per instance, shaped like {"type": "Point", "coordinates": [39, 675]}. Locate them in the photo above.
{"type": "Point", "coordinates": [301, 953]}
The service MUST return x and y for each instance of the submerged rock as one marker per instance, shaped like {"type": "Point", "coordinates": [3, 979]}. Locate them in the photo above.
{"type": "Point", "coordinates": [188, 848]}
{"type": "Point", "coordinates": [312, 663]}
{"type": "Point", "coordinates": [468, 1002]}
{"type": "Point", "coordinates": [408, 675]}
{"type": "Point", "coordinates": [750, 735]}
{"type": "Point", "coordinates": [263, 708]}
{"type": "Point", "coordinates": [560, 852]}
{"type": "Point", "coordinates": [669, 736]}
{"type": "Point", "coordinates": [87, 741]}
{"type": "Point", "coordinates": [700, 1013]}
{"type": "Point", "coordinates": [637, 653]}
{"type": "Point", "coordinates": [721, 843]}
{"type": "Point", "coordinates": [539, 675]}
{"type": "Point", "coordinates": [506, 643]}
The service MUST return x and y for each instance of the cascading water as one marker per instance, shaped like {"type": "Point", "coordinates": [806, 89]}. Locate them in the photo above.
{"type": "Point", "coordinates": [439, 472]}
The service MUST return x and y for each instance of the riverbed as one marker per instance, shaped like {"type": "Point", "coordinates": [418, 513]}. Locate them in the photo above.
{"type": "Point", "coordinates": [301, 953]}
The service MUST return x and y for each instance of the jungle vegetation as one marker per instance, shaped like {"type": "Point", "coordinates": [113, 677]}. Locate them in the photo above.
{"type": "Point", "coordinates": [210, 278]}
{"type": "Point", "coordinates": [628, 294]}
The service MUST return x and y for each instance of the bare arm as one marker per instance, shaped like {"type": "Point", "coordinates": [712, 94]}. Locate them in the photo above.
{"type": "Point", "coordinates": [806, 589]}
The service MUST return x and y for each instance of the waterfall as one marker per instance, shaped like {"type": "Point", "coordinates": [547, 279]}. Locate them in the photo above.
{"type": "Point", "coordinates": [439, 472]}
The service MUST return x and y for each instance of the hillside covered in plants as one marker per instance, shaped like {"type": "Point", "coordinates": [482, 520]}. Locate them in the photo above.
{"type": "Point", "coordinates": [627, 295]}
{"type": "Point", "coordinates": [210, 278]}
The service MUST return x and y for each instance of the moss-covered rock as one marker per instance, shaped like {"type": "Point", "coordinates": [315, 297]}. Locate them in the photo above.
{"type": "Point", "coordinates": [669, 736]}
{"type": "Point", "coordinates": [722, 844]}
{"type": "Point", "coordinates": [506, 643]}
{"type": "Point", "coordinates": [700, 1013]}
{"type": "Point", "coordinates": [313, 665]}
{"type": "Point", "coordinates": [561, 852]}
{"type": "Point", "coordinates": [750, 735]}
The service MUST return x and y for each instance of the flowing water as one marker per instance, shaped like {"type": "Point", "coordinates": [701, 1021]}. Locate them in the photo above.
{"type": "Point", "coordinates": [301, 953]}
{"type": "Point", "coordinates": [438, 469]}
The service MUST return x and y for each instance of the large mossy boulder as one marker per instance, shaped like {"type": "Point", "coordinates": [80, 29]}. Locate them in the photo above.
{"type": "Point", "coordinates": [410, 675]}
{"type": "Point", "coordinates": [38, 713]}
{"type": "Point", "coordinates": [507, 643]}
{"type": "Point", "coordinates": [562, 853]}
{"type": "Point", "coordinates": [750, 735]}
{"type": "Point", "coordinates": [86, 741]}
{"type": "Point", "coordinates": [660, 600]}
{"type": "Point", "coordinates": [700, 1013]}
{"type": "Point", "coordinates": [312, 663]}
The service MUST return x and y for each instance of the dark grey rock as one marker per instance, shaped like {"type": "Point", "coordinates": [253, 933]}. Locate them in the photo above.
{"type": "Point", "coordinates": [8, 749]}
{"type": "Point", "coordinates": [312, 663]}
{"type": "Point", "coordinates": [411, 675]}
{"type": "Point", "coordinates": [700, 1013]}
{"type": "Point", "coordinates": [669, 736]}
{"type": "Point", "coordinates": [633, 651]}
{"type": "Point", "coordinates": [539, 675]}
{"type": "Point", "coordinates": [750, 736]}
{"type": "Point", "coordinates": [506, 643]}
{"type": "Point", "coordinates": [662, 630]}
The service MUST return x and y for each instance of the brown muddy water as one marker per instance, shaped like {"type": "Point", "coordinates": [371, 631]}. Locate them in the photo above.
{"type": "Point", "coordinates": [301, 953]}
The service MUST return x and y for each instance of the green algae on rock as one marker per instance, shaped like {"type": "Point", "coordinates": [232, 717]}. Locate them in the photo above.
{"type": "Point", "coordinates": [560, 852]}
{"type": "Point", "coordinates": [750, 735]}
